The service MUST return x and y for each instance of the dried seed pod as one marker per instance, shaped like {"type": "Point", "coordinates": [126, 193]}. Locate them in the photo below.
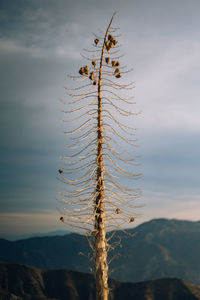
{"type": "Point", "coordinates": [94, 63]}
{"type": "Point", "coordinates": [116, 71]}
{"type": "Point", "coordinates": [115, 63]}
{"type": "Point", "coordinates": [62, 219]}
{"type": "Point", "coordinates": [94, 82]}
{"type": "Point", "coordinates": [82, 71]}
{"type": "Point", "coordinates": [117, 211]}
{"type": "Point", "coordinates": [131, 220]}
{"type": "Point", "coordinates": [114, 42]}
{"type": "Point", "coordinates": [108, 47]}
{"type": "Point", "coordinates": [92, 75]}
{"type": "Point", "coordinates": [60, 171]}
{"type": "Point", "coordinates": [111, 44]}
{"type": "Point", "coordinates": [107, 44]}
{"type": "Point", "coordinates": [110, 37]}
{"type": "Point", "coordinates": [107, 60]}
{"type": "Point", "coordinates": [86, 69]}
{"type": "Point", "coordinates": [96, 41]}
{"type": "Point", "coordinates": [118, 75]}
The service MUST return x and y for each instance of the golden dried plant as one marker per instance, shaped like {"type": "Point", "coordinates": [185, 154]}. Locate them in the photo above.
{"type": "Point", "coordinates": [100, 155]}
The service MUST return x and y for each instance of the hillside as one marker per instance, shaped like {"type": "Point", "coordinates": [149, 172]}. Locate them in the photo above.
{"type": "Point", "coordinates": [21, 282]}
{"type": "Point", "coordinates": [156, 249]}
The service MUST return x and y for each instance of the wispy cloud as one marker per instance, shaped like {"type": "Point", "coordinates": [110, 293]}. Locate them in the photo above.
{"type": "Point", "coordinates": [40, 44]}
{"type": "Point", "coordinates": [170, 206]}
{"type": "Point", "coordinates": [24, 223]}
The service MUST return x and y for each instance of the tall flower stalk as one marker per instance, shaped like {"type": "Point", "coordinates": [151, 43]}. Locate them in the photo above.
{"type": "Point", "coordinates": [99, 151]}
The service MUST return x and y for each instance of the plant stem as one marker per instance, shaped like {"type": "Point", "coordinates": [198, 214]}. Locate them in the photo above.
{"type": "Point", "coordinates": [101, 264]}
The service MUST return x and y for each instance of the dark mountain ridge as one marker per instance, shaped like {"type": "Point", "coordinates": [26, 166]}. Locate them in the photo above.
{"type": "Point", "coordinates": [155, 249]}
{"type": "Point", "coordinates": [22, 282]}
{"type": "Point", "coordinates": [17, 237]}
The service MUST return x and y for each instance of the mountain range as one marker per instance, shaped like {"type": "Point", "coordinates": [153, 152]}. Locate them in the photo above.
{"type": "Point", "coordinates": [160, 248]}
{"type": "Point", "coordinates": [20, 282]}
{"type": "Point", "coordinates": [15, 237]}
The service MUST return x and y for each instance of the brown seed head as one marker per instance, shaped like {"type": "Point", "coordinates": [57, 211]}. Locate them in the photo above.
{"type": "Point", "coordinates": [81, 71]}
{"type": "Point", "coordinates": [108, 48]}
{"type": "Point", "coordinates": [86, 69]}
{"type": "Point", "coordinates": [96, 41]}
{"type": "Point", "coordinates": [94, 82]}
{"type": "Point", "coordinates": [111, 44]}
{"type": "Point", "coordinates": [92, 75]}
{"type": "Point", "coordinates": [118, 75]}
{"type": "Point", "coordinates": [94, 63]}
{"type": "Point", "coordinates": [115, 63]}
{"type": "Point", "coordinates": [116, 71]}
{"type": "Point", "coordinates": [62, 219]}
{"type": "Point", "coordinates": [131, 220]}
{"type": "Point", "coordinates": [107, 60]}
{"type": "Point", "coordinates": [117, 211]}
{"type": "Point", "coordinates": [107, 44]}
{"type": "Point", "coordinates": [60, 171]}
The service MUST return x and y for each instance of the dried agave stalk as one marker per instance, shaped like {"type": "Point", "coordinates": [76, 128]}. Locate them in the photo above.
{"type": "Point", "coordinates": [94, 198]}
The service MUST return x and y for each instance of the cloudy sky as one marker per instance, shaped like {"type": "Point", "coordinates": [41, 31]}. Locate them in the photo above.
{"type": "Point", "coordinates": [40, 43]}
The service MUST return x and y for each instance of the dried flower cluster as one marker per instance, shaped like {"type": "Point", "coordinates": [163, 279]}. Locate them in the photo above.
{"type": "Point", "coordinates": [109, 44]}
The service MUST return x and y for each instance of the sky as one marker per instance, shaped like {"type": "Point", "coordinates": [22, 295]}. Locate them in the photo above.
{"type": "Point", "coordinates": [40, 44]}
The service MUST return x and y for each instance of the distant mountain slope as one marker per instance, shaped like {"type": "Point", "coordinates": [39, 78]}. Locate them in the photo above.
{"type": "Point", "coordinates": [15, 237]}
{"type": "Point", "coordinates": [48, 252]}
{"type": "Point", "coordinates": [21, 282]}
{"type": "Point", "coordinates": [161, 248]}
{"type": "Point", "coordinates": [156, 249]}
